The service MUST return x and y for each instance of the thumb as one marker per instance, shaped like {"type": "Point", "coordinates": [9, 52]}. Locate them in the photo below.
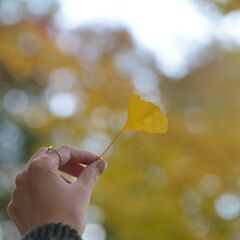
{"type": "Point", "coordinates": [89, 174]}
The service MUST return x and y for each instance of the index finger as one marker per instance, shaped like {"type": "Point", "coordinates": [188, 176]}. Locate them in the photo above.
{"type": "Point", "coordinates": [74, 155]}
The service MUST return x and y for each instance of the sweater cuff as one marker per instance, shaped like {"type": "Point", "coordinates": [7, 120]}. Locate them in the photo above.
{"type": "Point", "coordinates": [52, 231]}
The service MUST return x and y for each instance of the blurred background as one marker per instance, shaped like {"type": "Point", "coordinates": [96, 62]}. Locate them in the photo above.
{"type": "Point", "coordinates": [67, 70]}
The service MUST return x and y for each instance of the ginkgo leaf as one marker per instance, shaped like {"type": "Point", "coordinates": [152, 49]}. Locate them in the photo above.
{"type": "Point", "coordinates": [145, 116]}
{"type": "Point", "coordinates": [142, 116]}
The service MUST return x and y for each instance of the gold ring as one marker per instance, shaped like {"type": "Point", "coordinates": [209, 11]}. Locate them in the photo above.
{"type": "Point", "coordinates": [50, 148]}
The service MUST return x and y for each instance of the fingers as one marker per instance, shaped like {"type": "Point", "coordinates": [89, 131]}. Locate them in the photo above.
{"type": "Point", "coordinates": [89, 174]}
{"type": "Point", "coordinates": [63, 155]}
{"type": "Point", "coordinates": [73, 155]}
{"type": "Point", "coordinates": [72, 169]}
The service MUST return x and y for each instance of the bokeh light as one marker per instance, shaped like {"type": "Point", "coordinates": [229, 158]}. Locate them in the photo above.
{"type": "Point", "coordinates": [210, 185]}
{"type": "Point", "coordinates": [35, 117]}
{"type": "Point", "coordinates": [28, 44]}
{"type": "Point", "coordinates": [190, 202]}
{"type": "Point", "coordinates": [63, 104]}
{"type": "Point", "coordinates": [10, 12]}
{"type": "Point", "coordinates": [10, 135]}
{"type": "Point", "coordinates": [16, 101]}
{"type": "Point", "coordinates": [39, 8]}
{"type": "Point", "coordinates": [94, 231]}
{"type": "Point", "coordinates": [228, 206]}
{"type": "Point", "coordinates": [95, 142]}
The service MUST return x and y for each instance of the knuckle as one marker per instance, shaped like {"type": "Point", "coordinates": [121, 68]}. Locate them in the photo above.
{"type": "Point", "coordinates": [35, 165]}
{"type": "Point", "coordinates": [19, 179]}
{"type": "Point", "coordinates": [39, 152]}
{"type": "Point", "coordinates": [64, 148]}
{"type": "Point", "coordinates": [41, 149]}
{"type": "Point", "coordinates": [35, 159]}
{"type": "Point", "coordinates": [43, 158]}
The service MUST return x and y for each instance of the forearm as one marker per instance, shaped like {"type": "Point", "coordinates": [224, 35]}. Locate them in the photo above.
{"type": "Point", "coordinates": [52, 232]}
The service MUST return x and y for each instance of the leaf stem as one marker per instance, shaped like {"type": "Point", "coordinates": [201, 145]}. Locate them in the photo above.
{"type": "Point", "coordinates": [111, 143]}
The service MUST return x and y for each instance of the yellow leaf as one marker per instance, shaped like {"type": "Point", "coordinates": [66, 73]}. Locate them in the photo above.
{"type": "Point", "coordinates": [142, 116]}
{"type": "Point", "coordinates": [145, 116]}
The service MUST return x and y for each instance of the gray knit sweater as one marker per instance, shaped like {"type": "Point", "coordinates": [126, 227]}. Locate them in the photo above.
{"type": "Point", "coordinates": [52, 231]}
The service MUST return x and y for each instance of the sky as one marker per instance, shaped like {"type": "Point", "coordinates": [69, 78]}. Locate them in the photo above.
{"type": "Point", "coordinates": [175, 31]}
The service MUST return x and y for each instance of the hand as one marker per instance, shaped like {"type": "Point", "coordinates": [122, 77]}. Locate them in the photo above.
{"type": "Point", "coordinates": [43, 196]}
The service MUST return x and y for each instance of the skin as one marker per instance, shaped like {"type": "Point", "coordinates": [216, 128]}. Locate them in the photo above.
{"type": "Point", "coordinates": [43, 196]}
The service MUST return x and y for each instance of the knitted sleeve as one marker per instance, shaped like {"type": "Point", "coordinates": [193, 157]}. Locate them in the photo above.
{"type": "Point", "coordinates": [52, 231]}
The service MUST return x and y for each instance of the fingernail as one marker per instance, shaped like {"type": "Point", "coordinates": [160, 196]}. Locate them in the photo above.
{"type": "Point", "coordinates": [101, 166]}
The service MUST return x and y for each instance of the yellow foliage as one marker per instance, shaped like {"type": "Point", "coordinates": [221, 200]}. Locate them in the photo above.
{"type": "Point", "coordinates": [145, 116]}
{"type": "Point", "coordinates": [142, 116]}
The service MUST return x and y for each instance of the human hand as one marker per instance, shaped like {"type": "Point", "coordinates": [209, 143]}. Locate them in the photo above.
{"type": "Point", "coordinates": [43, 196]}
